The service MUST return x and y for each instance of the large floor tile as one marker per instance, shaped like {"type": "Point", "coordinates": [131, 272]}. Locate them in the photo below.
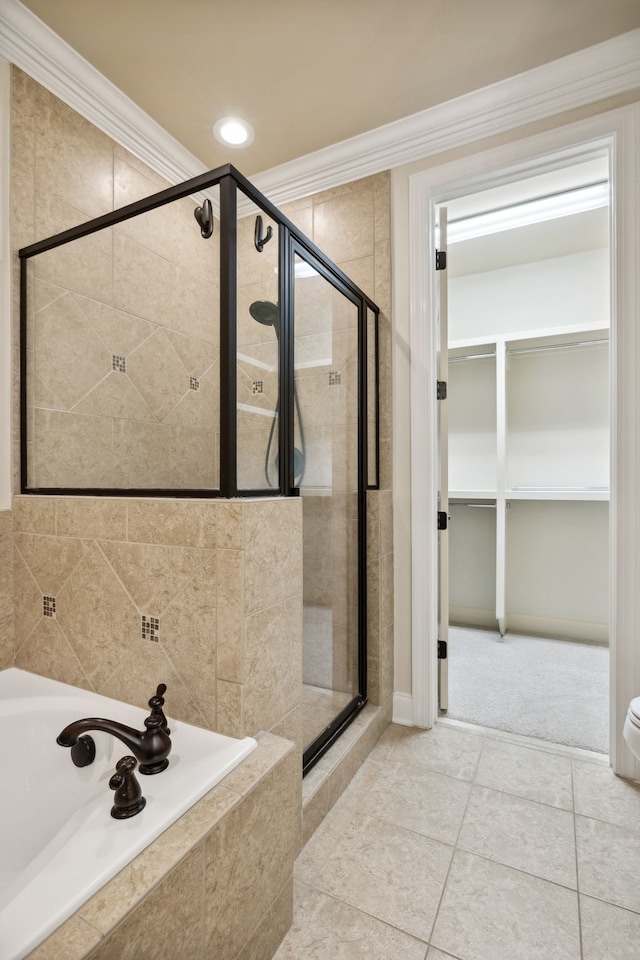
{"type": "Point", "coordinates": [519, 833]}
{"type": "Point", "coordinates": [414, 797]}
{"type": "Point", "coordinates": [492, 912]}
{"type": "Point", "coordinates": [608, 932]}
{"type": "Point", "coordinates": [452, 752]}
{"type": "Point", "coordinates": [435, 954]}
{"type": "Point", "coordinates": [609, 863]}
{"type": "Point", "coordinates": [603, 796]}
{"type": "Point", "coordinates": [391, 873]}
{"type": "Point", "coordinates": [324, 929]}
{"type": "Point", "coordinates": [526, 772]}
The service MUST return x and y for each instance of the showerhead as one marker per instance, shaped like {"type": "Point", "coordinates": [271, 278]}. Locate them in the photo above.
{"type": "Point", "coordinates": [266, 313]}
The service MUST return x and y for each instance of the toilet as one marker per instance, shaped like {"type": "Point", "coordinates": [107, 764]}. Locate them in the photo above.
{"type": "Point", "coordinates": [631, 731]}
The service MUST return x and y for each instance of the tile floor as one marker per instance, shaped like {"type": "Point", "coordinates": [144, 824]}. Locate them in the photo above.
{"type": "Point", "coordinates": [462, 844]}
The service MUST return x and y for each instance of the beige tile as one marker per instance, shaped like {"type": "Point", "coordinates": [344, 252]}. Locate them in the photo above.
{"type": "Point", "coordinates": [139, 933]}
{"type": "Point", "coordinates": [491, 912]}
{"type": "Point", "coordinates": [324, 928]}
{"type": "Point", "coordinates": [27, 599]}
{"type": "Point", "coordinates": [158, 374]}
{"type": "Point", "coordinates": [51, 560]}
{"type": "Point", "coordinates": [188, 635]}
{"type": "Point", "coordinates": [74, 160]}
{"type": "Point", "coordinates": [600, 794]}
{"type": "Point", "coordinates": [273, 565]}
{"type": "Point", "coordinates": [608, 933]}
{"type": "Point", "coordinates": [70, 359]}
{"type": "Point", "coordinates": [84, 266]}
{"type": "Point", "coordinates": [172, 522]}
{"type": "Point", "coordinates": [115, 396]}
{"type": "Point", "coordinates": [229, 709]}
{"type": "Point", "coordinates": [72, 450]}
{"type": "Point", "coordinates": [231, 623]}
{"type": "Point", "coordinates": [196, 355]}
{"type": "Point", "coordinates": [532, 774]}
{"type": "Point", "coordinates": [452, 752]}
{"type": "Point", "coordinates": [354, 852]}
{"type": "Point", "coordinates": [132, 884]}
{"type": "Point", "coordinates": [73, 939]}
{"type": "Point", "coordinates": [194, 459]}
{"type": "Point", "coordinates": [250, 859]}
{"type": "Point", "coordinates": [270, 750]}
{"type": "Point", "coordinates": [143, 283]}
{"type": "Point", "coordinates": [269, 933]}
{"type": "Point", "coordinates": [343, 227]}
{"type": "Point", "coordinates": [192, 411]}
{"type": "Point", "coordinates": [46, 651]}
{"type": "Point", "coordinates": [413, 797]}
{"type": "Point", "coordinates": [609, 862]}
{"type": "Point", "coordinates": [34, 515]}
{"type": "Point", "coordinates": [435, 954]}
{"type": "Point", "coordinates": [137, 676]}
{"type": "Point", "coordinates": [519, 833]}
{"type": "Point", "coordinates": [91, 517]}
{"type": "Point", "coordinates": [273, 664]}
{"type": "Point", "coordinates": [120, 332]}
{"type": "Point", "coordinates": [153, 574]}
{"type": "Point", "coordinates": [97, 616]}
{"type": "Point", "coordinates": [141, 455]}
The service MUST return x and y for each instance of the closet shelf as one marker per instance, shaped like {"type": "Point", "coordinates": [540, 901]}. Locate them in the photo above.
{"type": "Point", "coordinates": [557, 493]}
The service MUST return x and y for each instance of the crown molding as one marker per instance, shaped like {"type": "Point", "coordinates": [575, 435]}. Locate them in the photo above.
{"type": "Point", "coordinates": [598, 72]}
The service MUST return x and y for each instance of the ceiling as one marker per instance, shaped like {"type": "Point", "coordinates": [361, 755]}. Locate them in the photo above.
{"type": "Point", "coordinates": [307, 75]}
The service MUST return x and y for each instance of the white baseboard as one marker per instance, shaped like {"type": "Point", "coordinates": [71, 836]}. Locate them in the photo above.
{"type": "Point", "coordinates": [403, 709]}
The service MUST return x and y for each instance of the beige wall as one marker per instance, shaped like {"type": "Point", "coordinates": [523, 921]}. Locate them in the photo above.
{"type": "Point", "coordinates": [7, 647]}
{"type": "Point", "coordinates": [223, 578]}
{"type": "Point", "coordinates": [123, 348]}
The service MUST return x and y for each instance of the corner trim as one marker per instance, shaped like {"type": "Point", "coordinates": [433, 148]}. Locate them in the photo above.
{"type": "Point", "coordinates": [598, 72]}
{"type": "Point", "coordinates": [403, 709]}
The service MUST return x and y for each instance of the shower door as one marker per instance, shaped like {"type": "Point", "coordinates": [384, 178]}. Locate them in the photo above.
{"type": "Point", "coordinates": [329, 471]}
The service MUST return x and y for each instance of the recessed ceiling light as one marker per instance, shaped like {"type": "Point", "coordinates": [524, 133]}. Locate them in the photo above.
{"type": "Point", "coordinates": [233, 132]}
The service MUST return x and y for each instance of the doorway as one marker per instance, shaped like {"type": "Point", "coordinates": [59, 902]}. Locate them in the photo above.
{"type": "Point", "coordinates": [617, 133]}
{"type": "Point", "coordinates": [527, 450]}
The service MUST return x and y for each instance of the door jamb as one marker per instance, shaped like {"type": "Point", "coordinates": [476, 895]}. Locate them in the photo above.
{"type": "Point", "coordinates": [619, 133]}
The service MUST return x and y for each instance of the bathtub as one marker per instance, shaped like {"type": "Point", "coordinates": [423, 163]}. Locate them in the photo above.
{"type": "Point", "coordinates": [58, 841]}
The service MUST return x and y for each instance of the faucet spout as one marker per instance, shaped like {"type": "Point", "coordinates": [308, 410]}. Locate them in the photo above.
{"type": "Point", "coordinates": [151, 747]}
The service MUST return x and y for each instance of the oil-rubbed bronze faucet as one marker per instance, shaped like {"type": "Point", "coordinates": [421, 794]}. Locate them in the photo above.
{"type": "Point", "coordinates": [150, 746]}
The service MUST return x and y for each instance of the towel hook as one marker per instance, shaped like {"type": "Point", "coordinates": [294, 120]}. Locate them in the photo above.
{"type": "Point", "coordinates": [260, 238]}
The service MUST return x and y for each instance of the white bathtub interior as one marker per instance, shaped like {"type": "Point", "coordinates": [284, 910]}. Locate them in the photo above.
{"type": "Point", "coordinates": [59, 842]}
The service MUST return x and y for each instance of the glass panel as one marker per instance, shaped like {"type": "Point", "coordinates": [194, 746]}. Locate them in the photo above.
{"type": "Point", "coordinates": [124, 385]}
{"type": "Point", "coordinates": [372, 399]}
{"type": "Point", "coordinates": [326, 386]}
{"type": "Point", "coordinates": [258, 341]}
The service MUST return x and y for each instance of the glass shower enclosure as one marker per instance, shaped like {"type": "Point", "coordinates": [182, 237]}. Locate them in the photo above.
{"type": "Point", "coordinates": [195, 343]}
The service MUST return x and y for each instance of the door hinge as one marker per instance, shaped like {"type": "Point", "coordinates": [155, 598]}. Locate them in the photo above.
{"type": "Point", "coordinates": [442, 520]}
{"type": "Point", "coordinates": [441, 393]}
{"type": "Point", "coordinates": [442, 649]}
{"type": "Point", "coordinates": [441, 259]}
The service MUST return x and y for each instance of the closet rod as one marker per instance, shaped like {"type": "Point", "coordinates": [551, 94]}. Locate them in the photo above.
{"type": "Point", "coordinates": [464, 503]}
{"type": "Point", "coordinates": [560, 346]}
{"type": "Point", "coordinates": [475, 356]}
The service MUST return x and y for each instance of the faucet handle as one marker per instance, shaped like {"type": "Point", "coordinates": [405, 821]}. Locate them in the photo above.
{"type": "Point", "coordinates": [128, 800]}
{"type": "Point", "coordinates": [156, 703]}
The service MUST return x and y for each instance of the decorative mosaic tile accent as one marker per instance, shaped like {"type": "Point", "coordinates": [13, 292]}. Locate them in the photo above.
{"type": "Point", "coordinates": [151, 628]}
{"type": "Point", "coordinates": [258, 386]}
{"type": "Point", "coordinates": [49, 606]}
{"type": "Point", "coordinates": [194, 383]}
{"type": "Point", "coordinates": [335, 377]}
{"type": "Point", "coordinates": [119, 364]}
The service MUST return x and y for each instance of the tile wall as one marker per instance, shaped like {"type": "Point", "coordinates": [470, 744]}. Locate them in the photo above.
{"type": "Point", "coordinates": [144, 554]}
{"type": "Point", "coordinates": [7, 649]}
{"type": "Point", "coordinates": [117, 595]}
{"type": "Point", "coordinates": [123, 351]}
